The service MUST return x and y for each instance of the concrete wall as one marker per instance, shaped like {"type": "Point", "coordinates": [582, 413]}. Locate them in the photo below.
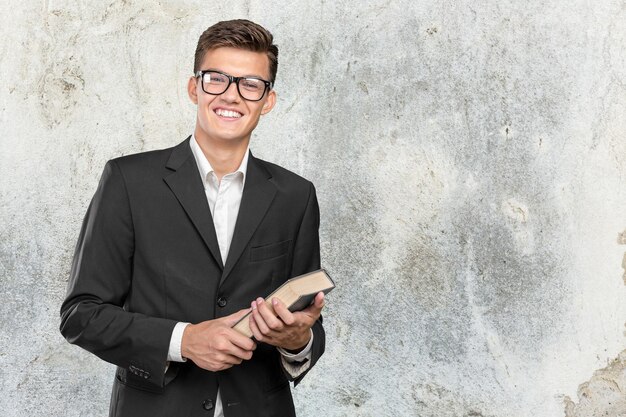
{"type": "Point", "coordinates": [470, 159]}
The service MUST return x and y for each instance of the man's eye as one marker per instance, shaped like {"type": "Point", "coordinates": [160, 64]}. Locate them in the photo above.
{"type": "Point", "coordinates": [215, 79]}
{"type": "Point", "coordinates": [251, 84]}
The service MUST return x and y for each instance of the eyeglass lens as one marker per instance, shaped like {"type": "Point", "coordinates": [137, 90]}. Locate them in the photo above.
{"type": "Point", "coordinates": [249, 88]}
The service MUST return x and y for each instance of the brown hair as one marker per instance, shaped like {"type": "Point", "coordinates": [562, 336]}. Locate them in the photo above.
{"type": "Point", "coordinates": [241, 34]}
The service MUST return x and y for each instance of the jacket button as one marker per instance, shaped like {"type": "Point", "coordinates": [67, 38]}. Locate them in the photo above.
{"type": "Point", "coordinates": [222, 301]}
{"type": "Point", "coordinates": [207, 404]}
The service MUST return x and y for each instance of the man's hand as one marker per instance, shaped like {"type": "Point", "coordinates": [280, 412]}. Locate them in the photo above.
{"type": "Point", "coordinates": [283, 328]}
{"type": "Point", "coordinates": [213, 345]}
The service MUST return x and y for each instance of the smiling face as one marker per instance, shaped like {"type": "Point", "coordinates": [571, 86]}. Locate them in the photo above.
{"type": "Point", "coordinates": [227, 119]}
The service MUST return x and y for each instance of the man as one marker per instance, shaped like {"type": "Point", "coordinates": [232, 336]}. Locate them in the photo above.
{"type": "Point", "coordinates": [178, 244]}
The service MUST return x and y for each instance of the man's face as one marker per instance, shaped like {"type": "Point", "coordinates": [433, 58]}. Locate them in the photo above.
{"type": "Point", "coordinates": [228, 117]}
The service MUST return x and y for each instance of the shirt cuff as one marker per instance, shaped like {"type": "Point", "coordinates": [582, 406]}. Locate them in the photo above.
{"type": "Point", "coordinates": [298, 363]}
{"type": "Point", "coordinates": [174, 354]}
{"type": "Point", "coordinates": [300, 356]}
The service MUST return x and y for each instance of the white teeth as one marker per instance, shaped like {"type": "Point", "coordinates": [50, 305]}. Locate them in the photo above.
{"type": "Point", "coordinates": [228, 113]}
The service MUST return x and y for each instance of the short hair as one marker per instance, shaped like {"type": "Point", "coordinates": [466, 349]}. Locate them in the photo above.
{"type": "Point", "coordinates": [241, 34]}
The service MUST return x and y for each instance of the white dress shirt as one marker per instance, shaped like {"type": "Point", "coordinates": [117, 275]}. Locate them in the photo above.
{"type": "Point", "coordinates": [224, 198]}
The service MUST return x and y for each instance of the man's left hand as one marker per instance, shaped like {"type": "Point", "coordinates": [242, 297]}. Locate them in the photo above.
{"type": "Point", "coordinates": [282, 328]}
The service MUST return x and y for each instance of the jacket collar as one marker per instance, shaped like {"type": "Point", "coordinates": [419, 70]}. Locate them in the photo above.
{"type": "Point", "coordinates": [185, 182]}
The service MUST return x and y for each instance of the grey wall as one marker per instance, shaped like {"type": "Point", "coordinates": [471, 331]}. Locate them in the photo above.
{"type": "Point", "coordinates": [469, 156]}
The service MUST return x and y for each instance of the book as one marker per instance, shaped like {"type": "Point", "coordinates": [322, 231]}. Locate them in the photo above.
{"type": "Point", "coordinates": [297, 293]}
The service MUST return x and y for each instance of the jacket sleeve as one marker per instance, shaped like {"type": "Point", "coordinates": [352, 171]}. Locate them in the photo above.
{"type": "Point", "coordinates": [93, 314]}
{"type": "Point", "coordinates": [306, 258]}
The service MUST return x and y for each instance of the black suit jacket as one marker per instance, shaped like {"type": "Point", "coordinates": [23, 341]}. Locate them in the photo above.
{"type": "Point", "coordinates": [148, 257]}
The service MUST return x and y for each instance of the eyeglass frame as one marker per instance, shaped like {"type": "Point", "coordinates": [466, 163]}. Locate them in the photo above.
{"type": "Point", "coordinates": [232, 79]}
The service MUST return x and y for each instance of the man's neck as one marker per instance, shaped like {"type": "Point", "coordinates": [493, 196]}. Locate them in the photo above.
{"type": "Point", "coordinates": [224, 157]}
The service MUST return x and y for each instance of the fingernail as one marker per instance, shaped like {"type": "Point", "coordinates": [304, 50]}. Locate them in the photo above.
{"type": "Point", "coordinates": [259, 300]}
{"type": "Point", "coordinates": [274, 301]}
{"type": "Point", "coordinates": [254, 305]}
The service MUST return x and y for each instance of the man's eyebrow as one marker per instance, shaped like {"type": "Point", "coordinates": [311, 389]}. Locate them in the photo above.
{"type": "Point", "coordinates": [244, 76]}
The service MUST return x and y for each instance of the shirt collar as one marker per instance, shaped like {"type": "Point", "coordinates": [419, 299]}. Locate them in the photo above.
{"type": "Point", "coordinates": [204, 166]}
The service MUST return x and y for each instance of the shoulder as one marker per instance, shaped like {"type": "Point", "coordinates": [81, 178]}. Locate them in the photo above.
{"type": "Point", "coordinates": [151, 163]}
{"type": "Point", "coordinates": [283, 177]}
{"type": "Point", "coordinates": [155, 158]}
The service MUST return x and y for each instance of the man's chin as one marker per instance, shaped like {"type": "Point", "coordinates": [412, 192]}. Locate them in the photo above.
{"type": "Point", "coordinates": [230, 138]}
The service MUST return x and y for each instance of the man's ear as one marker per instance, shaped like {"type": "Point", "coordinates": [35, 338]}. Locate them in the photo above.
{"type": "Point", "coordinates": [192, 89]}
{"type": "Point", "coordinates": [270, 101]}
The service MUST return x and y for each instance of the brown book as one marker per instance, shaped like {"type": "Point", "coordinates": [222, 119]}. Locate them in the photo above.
{"type": "Point", "coordinates": [297, 294]}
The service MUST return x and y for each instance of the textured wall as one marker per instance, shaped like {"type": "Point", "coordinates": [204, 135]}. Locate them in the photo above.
{"type": "Point", "coordinates": [470, 159]}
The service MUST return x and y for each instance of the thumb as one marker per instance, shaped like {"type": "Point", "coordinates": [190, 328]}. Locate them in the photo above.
{"type": "Point", "coordinates": [318, 304]}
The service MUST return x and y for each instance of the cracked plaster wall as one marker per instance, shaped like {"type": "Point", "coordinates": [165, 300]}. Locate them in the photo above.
{"type": "Point", "coordinates": [470, 163]}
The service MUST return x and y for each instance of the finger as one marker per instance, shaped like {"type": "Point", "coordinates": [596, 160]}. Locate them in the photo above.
{"type": "Point", "coordinates": [283, 312]}
{"type": "Point", "coordinates": [255, 329]}
{"type": "Point", "coordinates": [258, 318]}
{"type": "Point", "coordinates": [232, 319]}
{"type": "Point", "coordinates": [227, 359]}
{"type": "Point", "coordinates": [214, 366]}
{"type": "Point", "coordinates": [241, 341]}
{"type": "Point", "coordinates": [268, 315]}
{"type": "Point", "coordinates": [229, 342]}
{"type": "Point", "coordinates": [237, 352]}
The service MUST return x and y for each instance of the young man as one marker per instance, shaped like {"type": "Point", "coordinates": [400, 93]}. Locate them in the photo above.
{"type": "Point", "coordinates": [178, 244]}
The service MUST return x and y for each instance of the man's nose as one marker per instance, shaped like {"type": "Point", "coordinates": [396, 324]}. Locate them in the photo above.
{"type": "Point", "coordinates": [231, 94]}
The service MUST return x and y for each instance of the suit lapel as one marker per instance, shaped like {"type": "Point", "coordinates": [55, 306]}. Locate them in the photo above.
{"type": "Point", "coordinates": [186, 184]}
{"type": "Point", "coordinates": [258, 193]}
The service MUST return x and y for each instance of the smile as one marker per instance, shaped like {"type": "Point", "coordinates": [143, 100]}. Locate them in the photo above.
{"type": "Point", "coordinates": [228, 113]}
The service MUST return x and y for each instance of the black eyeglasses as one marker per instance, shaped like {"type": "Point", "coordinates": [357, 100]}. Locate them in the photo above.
{"type": "Point", "coordinates": [250, 88]}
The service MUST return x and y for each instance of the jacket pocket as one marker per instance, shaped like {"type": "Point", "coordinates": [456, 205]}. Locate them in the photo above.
{"type": "Point", "coordinates": [269, 251]}
{"type": "Point", "coordinates": [132, 381]}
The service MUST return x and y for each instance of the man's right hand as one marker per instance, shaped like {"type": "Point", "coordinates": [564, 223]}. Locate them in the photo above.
{"type": "Point", "coordinates": [213, 344]}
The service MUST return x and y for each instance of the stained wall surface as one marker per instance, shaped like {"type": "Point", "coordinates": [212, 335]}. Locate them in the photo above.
{"type": "Point", "coordinates": [470, 162]}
